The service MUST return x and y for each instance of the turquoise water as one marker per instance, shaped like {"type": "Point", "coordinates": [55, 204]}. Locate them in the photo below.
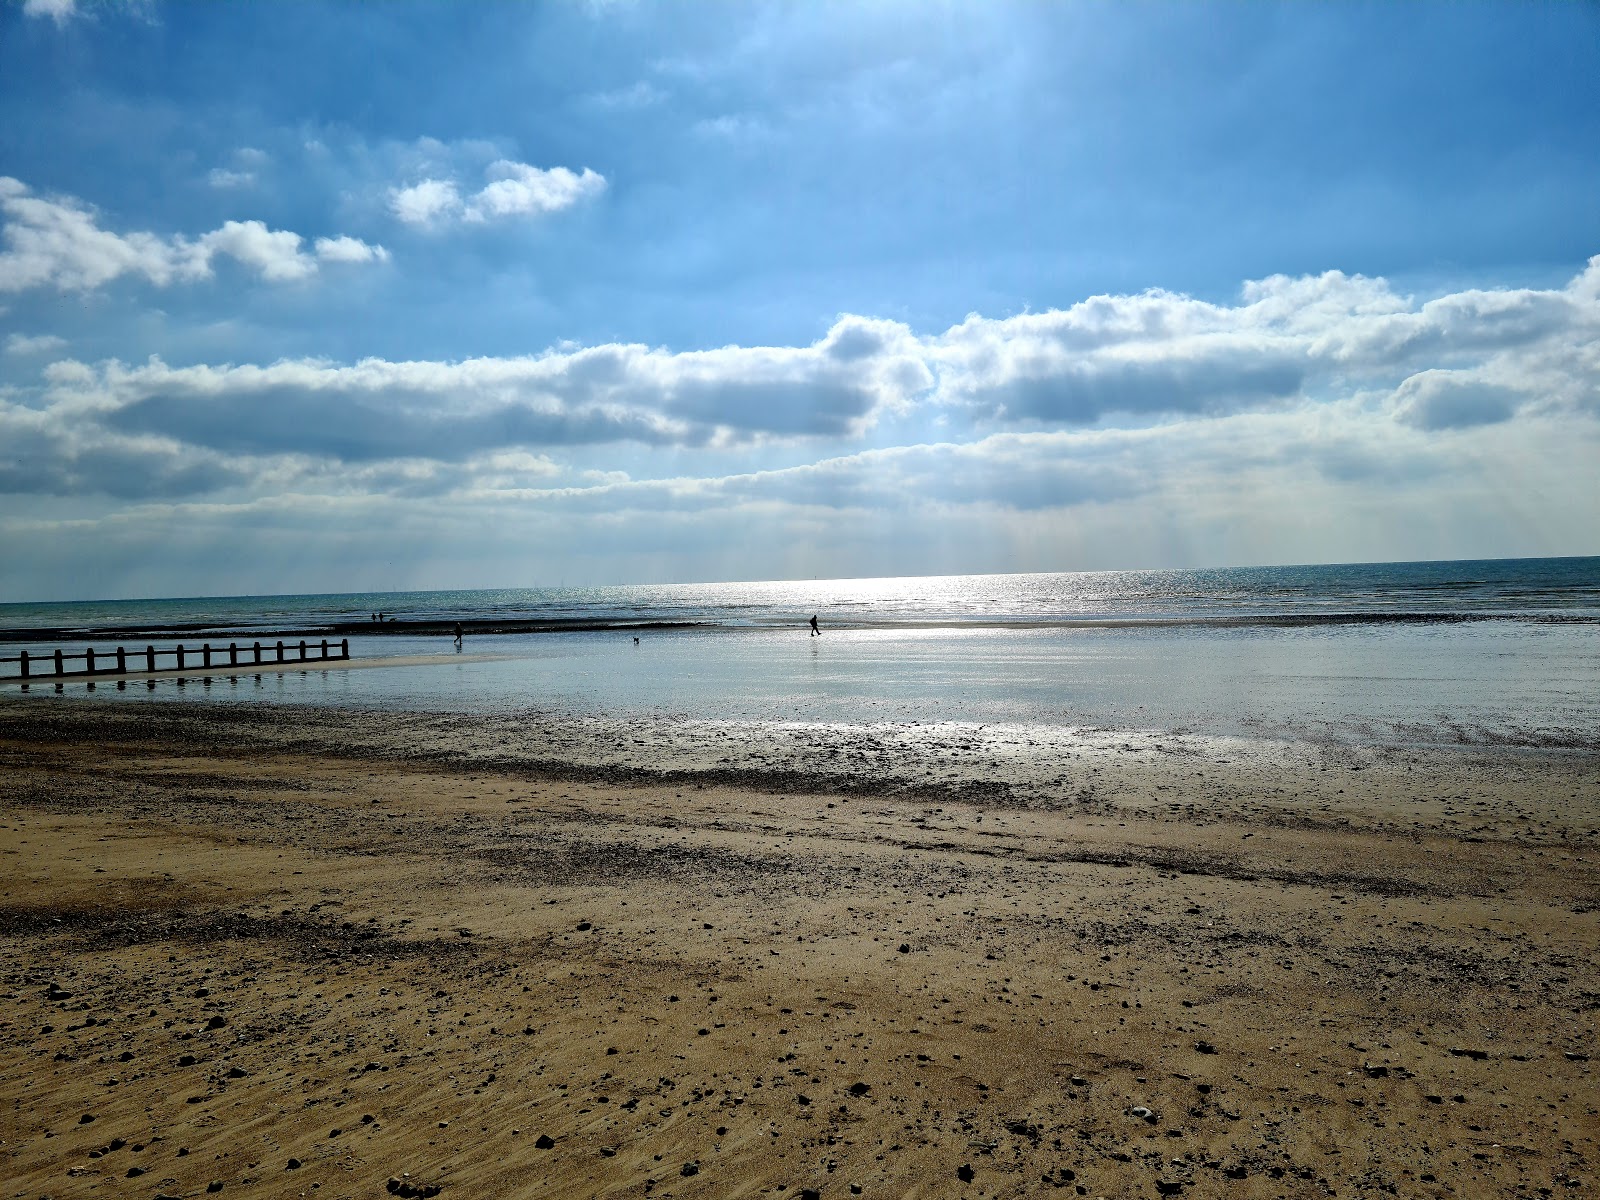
{"type": "Point", "coordinates": [1503, 653]}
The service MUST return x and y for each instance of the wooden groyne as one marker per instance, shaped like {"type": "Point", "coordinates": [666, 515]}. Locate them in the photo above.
{"type": "Point", "coordinates": [151, 659]}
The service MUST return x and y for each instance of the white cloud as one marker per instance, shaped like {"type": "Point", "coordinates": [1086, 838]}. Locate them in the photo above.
{"type": "Point", "coordinates": [275, 253]}
{"type": "Point", "coordinates": [44, 343]}
{"type": "Point", "coordinates": [1288, 341]}
{"type": "Point", "coordinates": [349, 250]}
{"type": "Point", "coordinates": [60, 11]}
{"type": "Point", "coordinates": [513, 189]}
{"type": "Point", "coordinates": [517, 189]}
{"type": "Point", "coordinates": [425, 202]}
{"type": "Point", "coordinates": [58, 243]}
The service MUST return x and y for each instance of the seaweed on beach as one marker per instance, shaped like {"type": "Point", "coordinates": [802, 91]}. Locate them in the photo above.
{"type": "Point", "coordinates": [102, 926]}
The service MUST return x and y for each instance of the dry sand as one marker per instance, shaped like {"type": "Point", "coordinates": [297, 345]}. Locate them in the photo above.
{"type": "Point", "coordinates": [271, 952]}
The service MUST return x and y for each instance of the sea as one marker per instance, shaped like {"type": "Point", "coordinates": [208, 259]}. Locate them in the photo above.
{"type": "Point", "coordinates": [1495, 652]}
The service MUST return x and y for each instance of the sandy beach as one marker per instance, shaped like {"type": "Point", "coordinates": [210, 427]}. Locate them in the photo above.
{"type": "Point", "coordinates": [281, 952]}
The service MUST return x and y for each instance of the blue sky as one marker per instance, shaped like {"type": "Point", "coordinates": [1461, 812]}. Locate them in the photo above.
{"type": "Point", "coordinates": [337, 297]}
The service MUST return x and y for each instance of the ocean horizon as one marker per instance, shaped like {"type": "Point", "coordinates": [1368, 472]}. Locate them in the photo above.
{"type": "Point", "coordinates": [1532, 588]}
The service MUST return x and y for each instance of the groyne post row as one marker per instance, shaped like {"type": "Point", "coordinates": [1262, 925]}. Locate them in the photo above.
{"type": "Point", "coordinates": [121, 662]}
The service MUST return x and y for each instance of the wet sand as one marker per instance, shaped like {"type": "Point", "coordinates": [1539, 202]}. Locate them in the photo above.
{"type": "Point", "coordinates": [279, 952]}
{"type": "Point", "coordinates": [202, 676]}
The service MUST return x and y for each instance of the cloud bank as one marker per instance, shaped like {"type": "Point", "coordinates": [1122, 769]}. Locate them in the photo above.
{"type": "Point", "coordinates": [1330, 400]}
{"type": "Point", "coordinates": [1463, 360]}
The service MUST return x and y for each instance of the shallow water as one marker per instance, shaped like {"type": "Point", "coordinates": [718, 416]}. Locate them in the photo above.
{"type": "Point", "coordinates": [1498, 682]}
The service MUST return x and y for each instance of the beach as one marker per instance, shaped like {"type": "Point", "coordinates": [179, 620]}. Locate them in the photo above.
{"type": "Point", "coordinates": [280, 950]}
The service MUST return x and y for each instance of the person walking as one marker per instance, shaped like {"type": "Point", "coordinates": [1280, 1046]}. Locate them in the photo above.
{"type": "Point", "coordinates": [815, 632]}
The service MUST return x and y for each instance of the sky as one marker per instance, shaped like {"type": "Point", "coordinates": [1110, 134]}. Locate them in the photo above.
{"type": "Point", "coordinates": [345, 297]}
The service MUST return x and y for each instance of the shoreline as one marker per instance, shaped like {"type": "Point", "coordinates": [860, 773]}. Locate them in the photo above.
{"type": "Point", "coordinates": [443, 627]}
{"type": "Point", "coordinates": [272, 947]}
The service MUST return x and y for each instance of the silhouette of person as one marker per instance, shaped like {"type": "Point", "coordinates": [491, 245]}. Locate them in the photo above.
{"type": "Point", "coordinates": [458, 635]}
{"type": "Point", "coordinates": [815, 632]}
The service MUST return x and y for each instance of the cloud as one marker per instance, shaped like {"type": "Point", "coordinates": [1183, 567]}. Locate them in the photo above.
{"type": "Point", "coordinates": [513, 189]}
{"type": "Point", "coordinates": [275, 254]}
{"type": "Point", "coordinates": [349, 250]}
{"type": "Point", "coordinates": [44, 343]}
{"type": "Point", "coordinates": [425, 202]}
{"type": "Point", "coordinates": [59, 11]}
{"type": "Point", "coordinates": [378, 409]}
{"type": "Point", "coordinates": [1154, 353]}
{"type": "Point", "coordinates": [1435, 400]}
{"type": "Point", "coordinates": [1325, 381]}
{"type": "Point", "coordinates": [517, 189]}
{"type": "Point", "coordinates": [57, 243]}
{"type": "Point", "coordinates": [1288, 341]}
{"type": "Point", "coordinates": [51, 454]}
{"type": "Point", "coordinates": [1260, 486]}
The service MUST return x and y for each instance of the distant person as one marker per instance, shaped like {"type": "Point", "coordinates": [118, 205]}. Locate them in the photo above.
{"type": "Point", "coordinates": [635, 639]}
{"type": "Point", "coordinates": [815, 632]}
{"type": "Point", "coordinates": [458, 635]}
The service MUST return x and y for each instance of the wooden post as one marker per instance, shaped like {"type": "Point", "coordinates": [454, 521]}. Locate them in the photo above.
{"type": "Point", "coordinates": [280, 651]}
{"type": "Point", "coordinates": [58, 662]}
{"type": "Point", "coordinates": [122, 660]}
{"type": "Point", "coordinates": [205, 654]}
{"type": "Point", "coordinates": [180, 658]}
{"type": "Point", "coordinates": [24, 661]}
{"type": "Point", "coordinates": [88, 661]}
{"type": "Point", "coordinates": [344, 648]}
{"type": "Point", "coordinates": [324, 649]}
{"type": "Point", "coordinates": [302, 649]}
{"type": "Point", "coordinates": [150, 658]}
{"type": "Point", "coordinates": [233, 654]}
{"type": "Point", "coordinates": [258, 652]}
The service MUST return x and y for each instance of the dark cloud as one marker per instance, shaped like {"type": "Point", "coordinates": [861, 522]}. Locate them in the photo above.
{"type": "Point", "coordinates": [365, 428]}
{"type": "Point", "coordinates": [1082, 394]}
{"type": "Point", "coordinates": [1437, 400]}
{"type": "Point", "coordinates": [39, 463]}
{"type": "Point", "coordinates": [780, 407]}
